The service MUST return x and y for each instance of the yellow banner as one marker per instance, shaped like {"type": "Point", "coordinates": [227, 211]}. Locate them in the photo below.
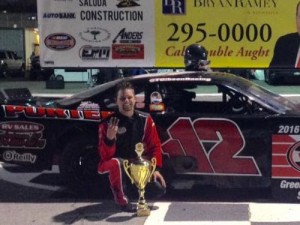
{"type": "Point", "coordinates": [236, 33]}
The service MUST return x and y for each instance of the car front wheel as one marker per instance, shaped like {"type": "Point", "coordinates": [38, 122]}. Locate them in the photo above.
{"type": "Point", "coordinates": [78, 167]}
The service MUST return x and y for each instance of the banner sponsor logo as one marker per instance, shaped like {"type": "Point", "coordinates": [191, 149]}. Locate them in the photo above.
{"type": "Point", "coordinates": [49, 63]}
{"type": "Point", "coordinates": [95, 34]}
{"type": "Point", "coordinates": [128, 36]}
{"type": "Point", "coordinates": [127, 3]}
{"type": "Point", "coordinates": [236, 3]}
{"type": "Point", "coordinates": [104, 15]}
{"type": "Point", "coordinates": [175, 7]}
{"type": "Point", "coordinates": [60, 41]}
{"type": "Point", "coordinates": [95, 3]}
{"type": "Point", "coordinates": [59, 15]}
{"type": "Point", "coordinates": [130, 51]}
{"type": "Point", "coordinates": [88, 52]}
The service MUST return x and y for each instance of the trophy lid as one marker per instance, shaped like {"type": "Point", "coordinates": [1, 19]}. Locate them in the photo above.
{"type": "Point", "coordinates": [139, 149]}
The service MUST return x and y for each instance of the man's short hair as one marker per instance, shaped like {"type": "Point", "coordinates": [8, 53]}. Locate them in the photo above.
{"type": "Point", "coordinates": [123, 85]}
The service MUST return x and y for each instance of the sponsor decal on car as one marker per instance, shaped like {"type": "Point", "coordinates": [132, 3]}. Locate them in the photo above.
{"type": "Point", "coordinates": [10, 156]}
{"type": "Point", "coordinates": [156, 104]}
{"type": "Point", "coordinates": [167, 79]}
{"type": "Point", "coordinates": [285, 156]}
{"type": "Point", "coordinates": [12, 111]}
{"type": "Point", "coordinates": [20, 134]}
{"type": "Point", "coordinates": [60, 41]}
{"type": "Point", "coordinates": [155, 97]}
{"type": "Point", "coordinates": [88, 105]}
{"type": "Point", "coordinates": [294, 156]}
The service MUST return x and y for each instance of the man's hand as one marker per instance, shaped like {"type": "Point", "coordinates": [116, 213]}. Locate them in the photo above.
{"type": "Point", "coordinates": [112, 128]}
{"type": "Point", "coordinates": [158, 177]}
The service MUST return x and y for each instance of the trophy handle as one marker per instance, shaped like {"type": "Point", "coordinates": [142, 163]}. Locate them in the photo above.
{"type": "Point", "coordinates": [153, 160]}
{"type": "Point", "coordinates": [126, 168]}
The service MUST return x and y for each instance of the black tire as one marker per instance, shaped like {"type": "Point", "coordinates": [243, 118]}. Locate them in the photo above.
{"type": "Point", "coordinates": [78, 167]}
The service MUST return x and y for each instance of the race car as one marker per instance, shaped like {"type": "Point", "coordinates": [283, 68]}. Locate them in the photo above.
{"type": "Point", "coordinates": [240, 135]}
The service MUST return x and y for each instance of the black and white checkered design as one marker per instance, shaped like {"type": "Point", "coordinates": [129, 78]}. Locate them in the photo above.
{"type": "Point", "coordinates": [189, 213]}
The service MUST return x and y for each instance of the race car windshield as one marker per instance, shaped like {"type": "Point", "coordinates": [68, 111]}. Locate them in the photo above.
{"type": "Point", "coordinates": [279, 103]}
{"type": "Point", "coordinates": [268, 99]}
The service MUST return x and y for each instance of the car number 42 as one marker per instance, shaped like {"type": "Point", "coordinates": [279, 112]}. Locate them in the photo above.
{"type": "Point", "coordinates": [214, 143]}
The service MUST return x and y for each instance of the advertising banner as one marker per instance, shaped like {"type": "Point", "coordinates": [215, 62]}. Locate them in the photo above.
{"type": "Point", "coordinates": [143, 33]}
{"type": "Point", "coordinates": [96, 33]}
{"type": "Point", "coordinates": [237, 33]}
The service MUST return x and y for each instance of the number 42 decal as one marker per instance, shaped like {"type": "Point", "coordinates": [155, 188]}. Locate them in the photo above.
{"type": "Point", "coordinates": [214, 143]}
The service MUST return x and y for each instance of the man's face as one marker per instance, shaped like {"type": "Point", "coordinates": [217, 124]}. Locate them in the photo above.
{"type": "Point", "coordinates": [126, 101]}
{"type": "Point", "coordinates": [298, 20]}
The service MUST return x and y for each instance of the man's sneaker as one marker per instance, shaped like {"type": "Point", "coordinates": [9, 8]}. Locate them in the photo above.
{"type": "Point", "coordinates": [130, 207]}
{"type": "Point", "coordinates": [120, 198]}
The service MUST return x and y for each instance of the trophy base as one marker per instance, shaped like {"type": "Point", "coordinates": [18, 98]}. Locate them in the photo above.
{"type": "Point", "coordinates": [143, 212]}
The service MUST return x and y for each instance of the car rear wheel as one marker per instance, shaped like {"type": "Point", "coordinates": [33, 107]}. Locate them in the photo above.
{"type": "Point", "coordinates": [78, 167]}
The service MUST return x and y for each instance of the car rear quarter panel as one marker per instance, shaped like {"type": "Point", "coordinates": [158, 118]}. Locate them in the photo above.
{"type": "Point", "coordinates": [235, 151]}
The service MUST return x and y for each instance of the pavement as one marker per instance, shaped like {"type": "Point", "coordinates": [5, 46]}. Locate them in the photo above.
{"type": "Point", "coordinates": [167, 213]}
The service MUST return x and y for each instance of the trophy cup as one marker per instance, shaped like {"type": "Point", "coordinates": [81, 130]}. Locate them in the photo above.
{"type": "Point", "coordinates": [140, 171]}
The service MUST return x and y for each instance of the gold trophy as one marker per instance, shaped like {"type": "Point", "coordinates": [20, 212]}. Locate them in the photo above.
{"type": "Point", "coordinates": [140, 171]}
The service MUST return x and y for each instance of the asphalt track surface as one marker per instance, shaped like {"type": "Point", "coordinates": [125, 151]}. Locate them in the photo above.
{"type": "Point", "coordinates": [29, 197]}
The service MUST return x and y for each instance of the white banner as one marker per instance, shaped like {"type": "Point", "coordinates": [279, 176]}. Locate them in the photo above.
{"type": "Point", "coordinates": [155, 33]}
{"type": "Point", "coordinates": [96, 33]}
